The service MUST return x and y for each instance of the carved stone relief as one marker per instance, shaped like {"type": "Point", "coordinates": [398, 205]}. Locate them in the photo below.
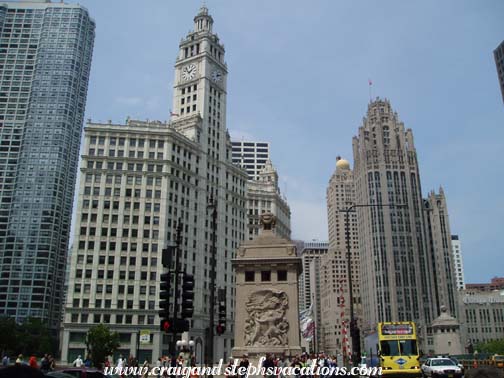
{"type": "Point", "coordinates": [266, 324]}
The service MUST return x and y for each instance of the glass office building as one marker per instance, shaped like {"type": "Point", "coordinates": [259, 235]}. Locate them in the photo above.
{"type": "Point", "coordinates": [45, 58]}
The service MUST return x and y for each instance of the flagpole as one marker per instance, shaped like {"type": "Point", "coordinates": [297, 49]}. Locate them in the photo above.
{"type": "Point", "coordinates": [370, 84]}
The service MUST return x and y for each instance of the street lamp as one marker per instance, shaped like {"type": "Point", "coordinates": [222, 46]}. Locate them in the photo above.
{"type": "Point", "coordinates": [354, 327]}
{"type": "Point", "coordinates": [212, 204]}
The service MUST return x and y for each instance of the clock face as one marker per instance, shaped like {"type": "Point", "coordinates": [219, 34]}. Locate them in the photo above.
{"type": "Point", "coordinates": [189, 72]}
{"type": "Point", "coordinates": [217, 76]}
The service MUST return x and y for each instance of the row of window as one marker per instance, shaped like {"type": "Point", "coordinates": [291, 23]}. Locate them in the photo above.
{"type": "Point", "coordinates": [250, 275]}
{"type": "Point", "coordinates": [105, 318]}
{"type": "Point", "coordinates": [121, 141]}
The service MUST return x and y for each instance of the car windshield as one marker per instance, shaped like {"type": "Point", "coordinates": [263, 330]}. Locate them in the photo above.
{"type": "Point", "coordinates": [442, 362]}
{"type": "Point", "coordinates": [499, 358]}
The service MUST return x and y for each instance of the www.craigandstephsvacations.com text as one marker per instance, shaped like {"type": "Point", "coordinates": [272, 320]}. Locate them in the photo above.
{"type": "Point", "coordinates": [236, 370]}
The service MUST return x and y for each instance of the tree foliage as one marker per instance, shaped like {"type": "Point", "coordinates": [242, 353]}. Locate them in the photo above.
{"type": "Point", "coordinates": [491, 347]}
{"type": "Point", "coordinates": [29, 338]}
{"type": "Point", "coordinates": [8, 337]}
{"type": "Point", "coordinates": [100, 343]}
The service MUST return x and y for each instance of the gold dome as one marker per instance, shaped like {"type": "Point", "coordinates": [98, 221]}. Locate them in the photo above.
{"type": "Point", "coordinates": [342, 164]}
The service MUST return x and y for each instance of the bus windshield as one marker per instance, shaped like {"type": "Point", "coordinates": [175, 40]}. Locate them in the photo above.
{"type": "Point", "coordinates": [389, 348]}
{"type": "Point", "coordinates": [398, 348]}
{"type": "Point", "coordinates": [408, 347]}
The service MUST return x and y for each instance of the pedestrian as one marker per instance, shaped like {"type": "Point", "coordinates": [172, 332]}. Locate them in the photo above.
{"type": "Point", "coordinates": [159, 365]}
{"type": "Point", "coordinates": [33, 362]}
{"type": "Point", "coordinates": [244, 363]}
{"type": "Point", "coordinates": [78, 362]}
{"type": "Point", "coordinates": [19, 360]}
{"type": "Point", "coordinates": [120, 362]}
{"type": "Point", "coordinates": [145, 369]}
{"type": "Point", "coordinates": [5, 361]}
{"type": "Point", "coordinates": [44, 364]}
{"type": "Point", "coordinates": [269, 364]}
{"type": "Point", "coordinates": [87, 361]}
{"type": "Point", "coordinates": [52, 363]}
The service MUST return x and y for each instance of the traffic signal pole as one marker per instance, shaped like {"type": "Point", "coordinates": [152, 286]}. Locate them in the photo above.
{"type": "Point", "coordinates": [175, 290]}
{"type": "Point", "coordinates": [210, 341]}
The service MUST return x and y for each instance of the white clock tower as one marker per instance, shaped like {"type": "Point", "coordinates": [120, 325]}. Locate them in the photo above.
{"type": "Point", "coordinates": [199, 107]}
{"type": "Point", "coordinates": [200, 83]}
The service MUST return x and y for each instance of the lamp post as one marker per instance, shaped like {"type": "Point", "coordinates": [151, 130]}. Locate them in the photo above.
{"type": "Point", "coordinates": [191, 353]}
{"type": "Point", "coordinates": [210, 342]}
{"type": "Point", "coordinates": [354, 327]}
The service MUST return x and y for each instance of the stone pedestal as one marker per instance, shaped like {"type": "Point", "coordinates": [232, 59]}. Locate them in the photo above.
{"type": "Point", "coordinates": [266, 315]}
{"type": "Point", "coordinates": [446, 334]}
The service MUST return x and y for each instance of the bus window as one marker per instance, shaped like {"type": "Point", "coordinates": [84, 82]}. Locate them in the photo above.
{"type": "Point", "coordinates": [389, 348]}
{"type": "Point", "coordinates": [408, 347]}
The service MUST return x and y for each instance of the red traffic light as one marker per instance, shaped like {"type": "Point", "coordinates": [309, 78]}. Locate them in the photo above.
{"type": "Point", "coordinates": [165, 325]}
{"type": "Point", "coordinates": [220, 329]}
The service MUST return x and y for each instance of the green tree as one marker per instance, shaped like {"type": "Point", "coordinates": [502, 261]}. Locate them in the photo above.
{"type": "Point", "coordinates": [100, 343]}
{"type": "Point", "coordinates": [491, 347]}
{"type": "Point", "coordinates": [8, 336]}
{"type": "Point", "coordinates": [34, 338]}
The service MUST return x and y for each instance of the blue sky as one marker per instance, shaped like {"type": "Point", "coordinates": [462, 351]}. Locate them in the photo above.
{"type": "Point", "coordinates": [298, 78]}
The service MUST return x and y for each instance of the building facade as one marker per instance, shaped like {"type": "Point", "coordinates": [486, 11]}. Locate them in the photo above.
{"type": "Point", "coordinates": [263, 195]}
{"type": "Point", "coordinates": [439, 242]}
{"type": "Point", "coordinates": [335, 299]}
{"type": "Point", "coordinates": [482, 316]}
{"type": "Point", "coordinates": [458, 262]}
{"type": "Point", "coordinates": [396, 284]}
{"type": "Point", "coordinates": [252, 156]}
{"type": "Point", "coordinates": [45, 59]}
{"type": "Point", "coordinates": [496, 283]}
{"type": "Point", "coordinates": [308, 251]}
{"type": "Point", "coordinates": [310, 285]}
{"type": "Point", "coordinates": [139, 180]}
{"type": "Point", "coordinates": [499, 63]}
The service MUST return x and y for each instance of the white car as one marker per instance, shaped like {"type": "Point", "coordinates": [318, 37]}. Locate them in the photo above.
{"type": "Point", "coordinates": [441, 368]}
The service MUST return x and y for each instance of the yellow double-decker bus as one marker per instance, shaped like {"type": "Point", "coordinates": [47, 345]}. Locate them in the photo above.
{"type": "Point", "coordinates": [396, 348]}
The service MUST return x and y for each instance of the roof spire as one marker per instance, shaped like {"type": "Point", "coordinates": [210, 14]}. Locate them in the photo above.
{"type": "Point", "coordinates": [203, 21]}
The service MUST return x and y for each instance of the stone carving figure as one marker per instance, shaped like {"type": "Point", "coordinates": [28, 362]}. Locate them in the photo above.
{"type": "Point", "coordinates": [266, 324]}
{"type": "Point", "coordinates": [268, 221]}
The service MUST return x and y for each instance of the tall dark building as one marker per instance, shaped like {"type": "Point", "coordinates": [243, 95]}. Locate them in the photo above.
{"type": "Point", "coordinates": [499, 62]}
{"type": "Point", "coordinates": [45, 59]}
{"type": "Point", "coordinates": [405, 252]}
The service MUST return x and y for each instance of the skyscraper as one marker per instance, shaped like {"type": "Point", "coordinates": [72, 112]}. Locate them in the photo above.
{"type": "Point", "coordinates": [139, 180]}
{"type": "Point", "coordinates": [439, 244]}
{"type": "Point", "coordinates": [499, 63]}
{"type": "Point", "coordinates": [395, 264]}
{"type": "Point", "coordinates": [334, 293]}
{"type": "Point", "coordinates": [45, 59]}
{"type": "Point", "coordinates": [252, 156]}
{"type": "Point", "coordinates": [458, 262]}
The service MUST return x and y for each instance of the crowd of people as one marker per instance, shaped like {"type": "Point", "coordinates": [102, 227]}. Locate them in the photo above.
{"type": "Point", "coordinates": [47, 362]}
{"type": "Point", "coordinates": [298, 361]}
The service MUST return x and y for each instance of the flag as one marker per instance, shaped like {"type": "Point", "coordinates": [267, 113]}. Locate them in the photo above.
{"type": "Point", "coordinates": [307, 324]}
{"type": "Point", "coordinates": [173, 114]}
{"type": "Point", "coordinates": [370, 82]}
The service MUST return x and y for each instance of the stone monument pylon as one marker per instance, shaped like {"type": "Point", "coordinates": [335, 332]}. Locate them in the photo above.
{"type": "Point", "coordinates": [446, 334]}
{"type": "Point", "coordinates": [266, 317]}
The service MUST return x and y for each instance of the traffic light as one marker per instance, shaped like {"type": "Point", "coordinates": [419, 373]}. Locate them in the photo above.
{"type": "Point", "coordinates": [166, 325]}
{"type": "Point", "coordinates": [181, 325]}
{"type": "Point", "coordinates": [187, 296]}
{"type": "Point", "coordinates": [164, 303]}
{"type": "Point", "coordinates": [221, 325]}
